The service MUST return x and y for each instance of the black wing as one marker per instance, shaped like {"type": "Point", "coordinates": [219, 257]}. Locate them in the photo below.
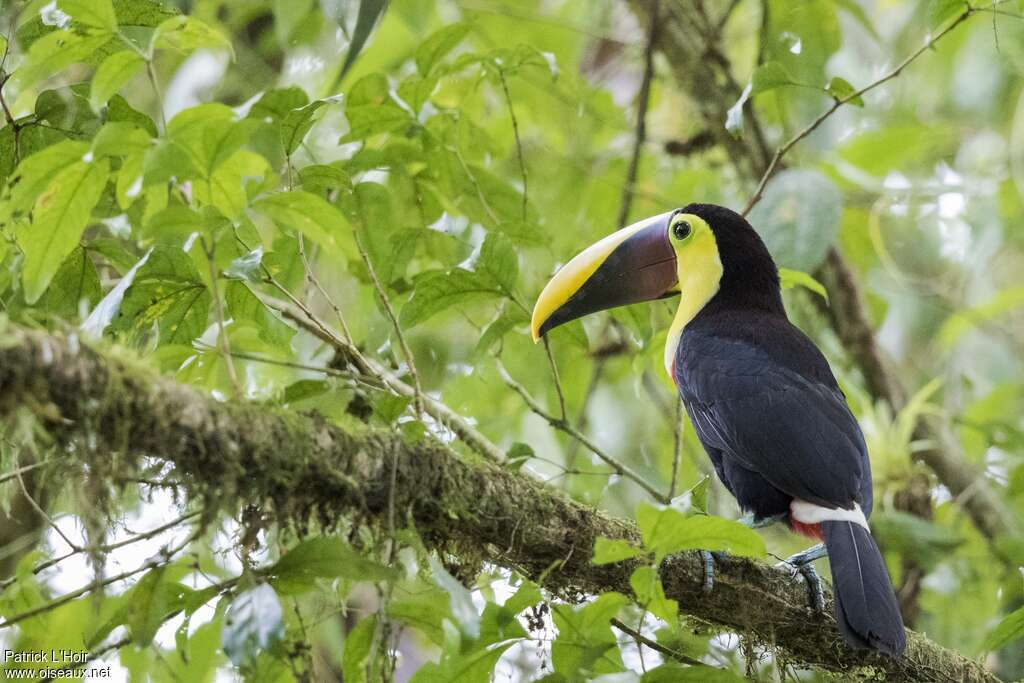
{"type": "Point", "coordinates": [766, 398]}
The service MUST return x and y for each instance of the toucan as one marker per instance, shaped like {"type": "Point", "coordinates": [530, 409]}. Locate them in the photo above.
{"type": "Point", "coordinates": [760, 395]}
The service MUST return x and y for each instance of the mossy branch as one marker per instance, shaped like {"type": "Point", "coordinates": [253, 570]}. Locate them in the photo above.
{"type": "Point", "coordinates": [299, 467]}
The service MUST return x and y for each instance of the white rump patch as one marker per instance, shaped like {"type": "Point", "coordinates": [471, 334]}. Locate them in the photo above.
{"type": "Point", "coordinates": [809, 513]}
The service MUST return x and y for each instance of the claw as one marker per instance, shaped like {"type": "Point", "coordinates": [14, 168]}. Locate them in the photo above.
{"type": "Point", "coordinates": [801, 564]}
{"type": "Point", "coordinates": [709, 571]}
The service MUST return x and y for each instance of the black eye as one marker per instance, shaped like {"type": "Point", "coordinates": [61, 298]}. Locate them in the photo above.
{"type": "Point", "coordinates": [681, 230]}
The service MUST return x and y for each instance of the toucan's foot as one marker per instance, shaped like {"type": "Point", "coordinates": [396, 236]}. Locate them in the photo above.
{"type": "Point", "coordinates": [710, 557]}
{"type": "Point", "coordinates": [749, 520]}
{"type": "Point", "coordinates": [801, 562]}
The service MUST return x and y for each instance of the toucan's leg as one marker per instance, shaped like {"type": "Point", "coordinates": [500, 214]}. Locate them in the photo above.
{"type": "Point", "coordinates": [802, 563]}
{"type": "Point", "coordinates": [709, 557]}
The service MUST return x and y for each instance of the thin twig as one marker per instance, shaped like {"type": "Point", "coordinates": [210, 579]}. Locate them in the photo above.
{"type": "Point", "coordinates": [218, 306]}
{"type": "Point", "coordinates": [390, 310]}
{"type": "Point", "coordinates": [655, 645]}
{"type": "Point", "coordinates": [677, 455]}
{"type": "Point", "coordinates": [42, 513]}
{"type": "Point", "coordinates": [68, 597]}
{"type": "Point", "coordinates": [773, 165]}
{"type": "Point", "coordinates": [563, 425]}
{"type": "Point", "coordinates": [557, 378]}
{"type": "Point", "coordinates": [644, 99]}
{"type": "Point", "coordinates": [114, 546]}
{"type": "Point", "coordinates": [313, 280]}
{"type": "Point", "coordinates": [21, 470]}
{"type": "Point", "coordinates": [515, 133]}
{"type": "Point", "coordinates": [297, 312]}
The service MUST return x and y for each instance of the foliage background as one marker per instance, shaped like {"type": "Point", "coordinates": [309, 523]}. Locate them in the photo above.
{"type": "Point", "coordinates": [450, 155]}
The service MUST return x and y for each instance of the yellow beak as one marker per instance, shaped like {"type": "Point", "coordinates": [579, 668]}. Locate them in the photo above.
{"type": "Point", "coordinates": [634, 264]}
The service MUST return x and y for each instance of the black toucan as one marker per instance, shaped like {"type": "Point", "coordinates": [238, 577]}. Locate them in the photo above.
{"type": "Point", "coordinates": [759, 393]}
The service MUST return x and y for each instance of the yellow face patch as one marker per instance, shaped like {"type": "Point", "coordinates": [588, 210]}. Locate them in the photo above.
{"type": "Point", "coordinates": [700, 274]}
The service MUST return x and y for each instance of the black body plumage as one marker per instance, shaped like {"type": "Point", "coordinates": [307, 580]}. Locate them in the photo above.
{"type": "Point", "coordinates": [768, 410]}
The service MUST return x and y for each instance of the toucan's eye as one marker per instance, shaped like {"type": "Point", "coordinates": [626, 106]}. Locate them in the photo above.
{"type": "Point", "coordinates": [681, 230]}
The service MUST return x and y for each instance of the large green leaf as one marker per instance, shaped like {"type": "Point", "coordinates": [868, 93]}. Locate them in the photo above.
{"type": "Point", "coordinates": [437, 292]}
{"type": "Point", "coordinates": [666, 531]}
{"type": "Point", "coordinates": [113, 73]}
{"type": "Point", "coordinates": [167, 293]}
{"type": "Point", "coordinates": [326, 557]}
{"type": "Point", "coordinates": [59, 216]}
{"type": "Point", "coordinates": [312, 216]}
{"type": "Point", "coordinates": [798, 218]}
{"type": "Point", "coordinates": [585, 642]}
{"type": "Point", "coordinates": [369, 12]}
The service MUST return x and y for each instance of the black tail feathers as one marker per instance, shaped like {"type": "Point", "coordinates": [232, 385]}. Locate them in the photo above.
{"type": "Point", "coordinates": [866, 607]}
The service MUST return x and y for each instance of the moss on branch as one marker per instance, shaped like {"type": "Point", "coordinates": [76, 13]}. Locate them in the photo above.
{"type": "Point", "coordinates": [112, 412]}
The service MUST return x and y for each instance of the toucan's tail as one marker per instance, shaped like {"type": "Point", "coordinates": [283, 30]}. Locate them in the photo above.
{"type": "Point", "coordinates": [866, 607]}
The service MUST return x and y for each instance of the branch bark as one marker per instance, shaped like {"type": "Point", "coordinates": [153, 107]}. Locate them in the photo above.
{"type": "Point", "coordinates": [299, 467]}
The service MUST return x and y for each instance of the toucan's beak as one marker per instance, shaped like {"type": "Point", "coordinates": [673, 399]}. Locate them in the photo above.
{"type": "Point", "coordinates": [635, 264]}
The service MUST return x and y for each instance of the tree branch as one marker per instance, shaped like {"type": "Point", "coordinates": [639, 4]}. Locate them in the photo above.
{"type": "Point", "coordinates": [298, 466]}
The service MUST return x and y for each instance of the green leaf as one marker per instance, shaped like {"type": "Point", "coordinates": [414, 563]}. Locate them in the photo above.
{"type": "Point", "coordinates": [309, 214]}
{"type": "Point", "coordinates": [243, 305]}
{"type": "Point", "coordinates": [167, 293]}
{"type": "Point", "coordinates": [35, 173]}
{"type": "Point", "coordinates": [120, 138]}
{"type": "Point", "coordinates": [58, 220]}
{"type": "Point", "coordinates": [92, 13]}
{"type": "Point", "coordinates": [798, 218]}
{"type": "Point", "coordinates": [927, 542]}
{"type": "Point", "coordinates": [321, 178]}
{"type": "Point", "coordinates": [666, 531]}
{"type": "Point", "coordinates": [499, 261]}
{"type": "Point", "coordinates": [609, 550]}
{"type": "Point", "coordinates": [367, 120]}
{"type": "Point", "coordinates": [769, 76]}
{"type": "Point", "coordinates": [297, 123]}
{"type": "Point", "coordinates": [326, 557]}
{"type": "Point", "coordinates": [472, 667]}
{"type": "Point", "coordinates": [253, 623]}
{"type": "Point", "coordinates": [113, 73]}
{"type": "Point", "coordinates": [1009, 629]}
{"type": "Point", "coordinates": [505, 322]}
{"type": "Point", "coordinates": [423, 608]}
{"type": "Point", "coordinates": [790, 278]}
{"type": "Point", "coordinates": [75, 285]}
{"type": "Point", "coordinates": [248, 267]}
{"type": "Point", "coordinates": [358, 642]}
{"type": "Point", "coordinates": [55, 52]}
{"type": "Point", "coordinates": [841, 89]}
{"type": "Point", "coordinates": [185, 34]}
{"type": "Point", "coordinates": [440, 43]}
{"type": "Point", "coordinates": [369, 12]}
{"type": "Point", "coordinates": [153, 599]}
{"type": "Point", "coordinates": [436, 292]}
{"type": "Point", "coordinates": [585, 642]}
{"type": "Point", "coordinates": [650, 594]}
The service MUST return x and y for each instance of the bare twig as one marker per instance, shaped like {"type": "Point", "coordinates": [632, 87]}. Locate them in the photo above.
{"type": "Point", "coordinates": [42, 513]}
{"type": "Point", "coordinates": [390, 310]}
{"type": "Point", "coordinates": [88, 588]}
{"type": "Point", "coordinates": [22, 470]}
{"type": "Point", "coordinates": [563, 425]}
{"type": "Point", "coordinates": [776, 159]}
{"type": "Point", "coordinates": [677, 443]}
{"type": "Point", "coordinates": [218, 307]}
{"type": "Point", "coordinates": [655, 645]}
{"type": "Point", "coordinates": [515, 133]}
{"type": "Point", "coordinates": [297, 312]}
{"type": "Point", "coordinates": [643, 100]}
